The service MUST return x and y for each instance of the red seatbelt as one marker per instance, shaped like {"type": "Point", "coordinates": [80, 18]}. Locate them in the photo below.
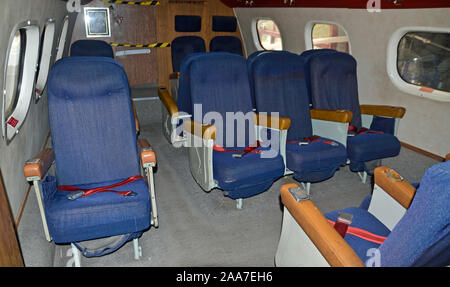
{"type": "Point", "coordinates": [248, 149]}
{"type": "Point", "coordinates": [362, 130]}
{"type": "Point", "coordinates": [361, 233]}
{"type": "Point", "coordinates": [313, 139]}
{"type": "Point", "coordinates": [86, 192]}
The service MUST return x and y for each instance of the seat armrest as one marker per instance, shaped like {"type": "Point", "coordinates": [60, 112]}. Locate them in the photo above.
{"type": "Point", "coordinates": [136, 120]}
{"type": "Point", "coordinates": [327, 240]}
{"type": "Point", "coordinates": [175, 75]}
{"type": "Point", "coordinates": [272, 122]}
{"type": "Point", "coordinates": [401, 191]}
{"type": "Point", "coordinates": [36, 168]}
{"type": "Point", "coordinates": [148, 156]}
{"type": "Point", "coordinates": [200, 130]}
{"type": "Point", "coordinates": [383, 111]}
{"type": "Point", "coordinates": [341, 116]}
{"type": "Point", "coordinates": [447, 157]}
{"type": "Point", "coordinates": [168, 101]}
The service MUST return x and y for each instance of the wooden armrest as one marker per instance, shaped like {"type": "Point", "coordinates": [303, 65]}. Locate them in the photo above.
{"type": "Point", "coordinates": [272, 122]}
{"type": "Point", "coordinates": [200, 130]}
{"type": "Point", "coordinates": [383, 111]}
{"type": "Point", "coordinates": [37, 167]}
{"type": "Point", "coordinates": [175, 75]}
{"type": "Point", "coordinates": [331, 245]}
{"type": "Point", "coordinates": [341, 116]}
{"type": "Point", "coordinates": [447, 157]}
{"type": "Point", "coordinates": [136, 120]}
{"type": "Point", "coordinates": [168, 101]}
{"type": "Point", "coordinates": [148, 155]}
{"type": "Point", "coordinates": [401, 191]}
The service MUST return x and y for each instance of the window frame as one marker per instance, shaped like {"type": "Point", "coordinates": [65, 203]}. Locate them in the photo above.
{"type": "Point", "coordinates": [45, 56]}
{"type": "Point", "coordinates": [309, 29]}
{"type": "Point", "coordinates": [25, 86]}
{"type": "Point", "coordinates": [62, 38]}
{"type": "Point", "coordinates": [392, 70]}
{"type": "Point", "coordinates": [255, 33]}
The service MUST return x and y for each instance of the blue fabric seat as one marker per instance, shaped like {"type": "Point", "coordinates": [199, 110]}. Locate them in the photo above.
{"type": "Point", "coordinates": [228, 44]}
{"type": "Point", "coordinates": [91, 48]}
{"type": "Point", "coordinates": [94, 142]}
{"type": "Point", "coordinates": [334, 86]}
{"type": "Point", "coordinates": [279, 86]}
{"type": "Point", "coordinates": [421, 237]}
{"type": "Point", "coordinates": [183, 46]}
{"type": "Point", "coordinates": [219, 83]}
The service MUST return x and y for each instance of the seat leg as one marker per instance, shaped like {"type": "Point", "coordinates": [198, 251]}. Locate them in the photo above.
{"type": "Point", "coordinates": [363, 176]}
{"type": "Point", "coordinates": [76, 255]}
{"type": "Point", "coordinates": [307, 187]}
{"type": "Point", "coordinates": [137, 249]}
{"type": "Point", "coordinates": [239, 203]}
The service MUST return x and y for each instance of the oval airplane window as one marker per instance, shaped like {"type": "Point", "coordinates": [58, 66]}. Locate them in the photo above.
{"type": "Point", "coordinates": [62, 39]}
{"type": "Point", "coordinates": [44, 57]}
{"type": "Point", "coordinates": [326, 35]}
{"type": "Point", "coordinates": [268, 34]}
{"type": "Point", "coordinates": [19, 76]}
{"type": "Point", "coordinates": [418, 61]}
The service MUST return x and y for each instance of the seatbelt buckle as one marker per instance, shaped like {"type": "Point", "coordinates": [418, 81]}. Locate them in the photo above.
{"type": "Point", "coordinates": [75, 195]}
{"type": "Point", "coordinates": [239, 154]}
{"type": "Point", "coordinates": [303, 143]}
{"type": "Point", "coordinates": [342, 223]}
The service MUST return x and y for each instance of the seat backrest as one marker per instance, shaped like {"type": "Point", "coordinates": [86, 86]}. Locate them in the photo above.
{"type": "Point", "coordinates": [230, 44]}
{"type": "Point", "coordinates": [183, 46]}
{"type": "Point", "coordinates": [91, 121]}
{"type": "Point", "coordinates": [279, 86]}
{"type": "Point", "coordinates": [219, 82]}
{"type": "Point", "coordinates": [250, 61]}
{"type": "Point", "coordinates": [334, 84]}
{"type": "Point", "coordinates": [421, 237]}
{"type": "Point", "coordinates": [95, 48]}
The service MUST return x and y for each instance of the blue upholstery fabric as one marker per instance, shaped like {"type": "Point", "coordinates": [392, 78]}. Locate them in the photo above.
{"type": "Point", "coordinates": [219, 82]}
{"type": "Point", "coordinates": [98, 215]}
{"type": "Point", "coordinates": [370, 146]}
{"type": "Point", "coordinates": [224, 24]}
{"type": "Point", "coordinates": [250, 61]}
{"type": "Point", "coordinates": [307, 55]}
{"type": "Point", "coordinates": [364, 220]}
{"type": "Point", "coordinates": [334, 84]}
{"type": "Point", "coordinates": [316, 161]}
{"type": "Point", "coordinates": [188, 23]}
{"type": "Point", "coordinates": [89, 105]}
{"type": "Point", "coordinates": [91, 48]}
{"type": "Point", "coordinates": [94, 141]}
{"type": "Point", "coordinates": [183, 46]}
{"type": "Point", "coordinates": [228, 44]}
{"type": "Point", "coordinates": [279, 86]}
{"type": "Point", "coordinates": [382, 124]}
{"type": "Point", "coordinates": [184, 100]}
{"type": "Point", "coordinates": [366, 202]}
{"type": "Point", "coordinates": [426, 224]}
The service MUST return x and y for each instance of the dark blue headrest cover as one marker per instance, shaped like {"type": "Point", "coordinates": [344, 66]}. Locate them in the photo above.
{"type": "Point", "coordinates": [228, 44]}
{"type": "Point", "coordinates": [183, 46]}
{"type": "Point", "coordinates": [91, 121]}
{"type": "Point", "coordinates": [224, 23]}
{"type": "Point", "coordinates": [188, 23]}
{"type": "Point", "coordinates": [92, 48]}
{"type": "Point", "coordinates": [334, 84]}
{"type": "Point", "coordinates": [279, 86]}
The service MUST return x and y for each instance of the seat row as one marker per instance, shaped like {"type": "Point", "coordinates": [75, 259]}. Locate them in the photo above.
{"type": "Point", "coordinates": [305, 111]}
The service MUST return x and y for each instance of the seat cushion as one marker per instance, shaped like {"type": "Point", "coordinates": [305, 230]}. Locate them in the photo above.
{"type": "Point", "coordinates": [371, 146]}
{"type": "Point", "coordinates": [97, 215]}
{"type": "Point", "coordinates": [364, 220]}
{"type": "Point", "coordinates": [316, 161]}
{"type": "Point", "coordinates": [246, 176]}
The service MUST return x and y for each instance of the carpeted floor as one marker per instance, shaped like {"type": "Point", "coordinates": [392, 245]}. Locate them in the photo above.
{"type": "Point", "coordinates": [205, 229]}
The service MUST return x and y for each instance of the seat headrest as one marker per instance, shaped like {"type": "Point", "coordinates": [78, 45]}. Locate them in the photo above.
{"type": "Point", "coordinates": [183, 46]}
{"type": "Point", "coordinates": [228, 44]}
{"type": "Point", "coordinates": [91, 48]}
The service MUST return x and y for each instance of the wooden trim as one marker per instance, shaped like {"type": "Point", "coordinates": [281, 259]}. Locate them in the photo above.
{"type": "Point", "coordinates": [341, 116]}
{"type": "Point", "coordinates": [401, 191]}
{"type": "Point", "coordinates": [447, 157]}
{"type": "Point", "coordinates": [147, 154]}
{"type": "Point", "coordinates": [204, 131]}
{"type": "Point", "coordinates": [422, 152]}
{"type": "Point", "coordinates": [331, 245]}
{"type": "Point", "coordinates": [272, 121]}
{"type": "Point", "coordinates": [168, 101]}
{"type": "Point", "coordinates": [10, 254]}
{"type": "Point", "coordinates": [39, 168]}
{"type": "Point", "coordinates": [383, 111]}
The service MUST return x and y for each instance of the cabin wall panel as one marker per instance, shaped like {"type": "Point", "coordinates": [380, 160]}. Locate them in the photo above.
{"type": "Point", "coordinates": [138, 27]}
{"type": "Point", "coordinates": [426, 121]}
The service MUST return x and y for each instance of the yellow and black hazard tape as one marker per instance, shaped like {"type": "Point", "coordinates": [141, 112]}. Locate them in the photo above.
{"type": "Point", "coordinates": [154, 45]}
{"type": "Point", "coordinates": [143, 3]}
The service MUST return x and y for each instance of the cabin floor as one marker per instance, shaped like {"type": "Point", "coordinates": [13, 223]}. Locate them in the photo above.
{"type": "Point", "coordinates": [197, 228]}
